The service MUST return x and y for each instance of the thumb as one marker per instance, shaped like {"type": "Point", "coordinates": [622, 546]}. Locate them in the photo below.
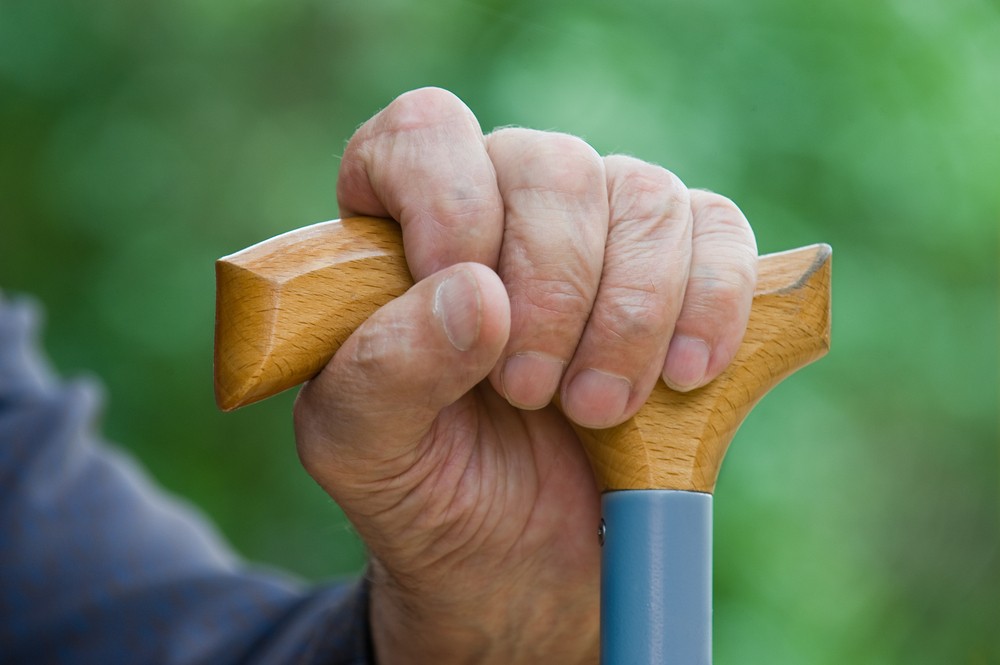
{"type": "Point", "coordinates": [363, 416]}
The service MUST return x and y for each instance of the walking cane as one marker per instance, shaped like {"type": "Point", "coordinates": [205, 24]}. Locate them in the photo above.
{"type": "Point", "coordinates": [657, 470]}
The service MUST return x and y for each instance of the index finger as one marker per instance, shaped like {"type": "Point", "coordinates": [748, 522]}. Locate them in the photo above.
{"type": "Point", "coordinates": [423, 162]}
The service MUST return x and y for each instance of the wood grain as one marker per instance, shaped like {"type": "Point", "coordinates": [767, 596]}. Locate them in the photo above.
{"type": "Point", "coordinates": [284, 306]}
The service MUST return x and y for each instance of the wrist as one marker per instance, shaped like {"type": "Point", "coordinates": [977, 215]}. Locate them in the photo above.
{"type": "Point", "coordinates": [409, 628]}
{"type": "Point", "coordinates": [484, 626]}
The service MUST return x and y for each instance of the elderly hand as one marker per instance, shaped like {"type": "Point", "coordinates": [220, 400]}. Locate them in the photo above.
{"type": "Point", "coordinates": [541, 268]}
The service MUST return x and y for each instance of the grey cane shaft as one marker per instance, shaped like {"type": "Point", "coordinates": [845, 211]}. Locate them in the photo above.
{"type": "Point", "coordinates": [656, 578]}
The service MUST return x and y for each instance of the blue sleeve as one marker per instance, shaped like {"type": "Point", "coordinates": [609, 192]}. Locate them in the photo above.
{"type": "Point", "coordinates": [98, 566]}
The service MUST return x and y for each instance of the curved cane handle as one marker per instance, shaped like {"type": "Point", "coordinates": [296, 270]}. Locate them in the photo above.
{"type": "Point", "coordinates": [285, 305]}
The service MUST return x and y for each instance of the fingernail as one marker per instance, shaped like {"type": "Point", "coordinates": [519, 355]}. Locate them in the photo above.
{"type": "Point", "coordinates": [597, 399]}
{"type": "Point", "coordinates": [686, 364]}
{"type": "Point", "coordinates": [531, 379]}
{"type": "Point", "coordinates": [457, 305]}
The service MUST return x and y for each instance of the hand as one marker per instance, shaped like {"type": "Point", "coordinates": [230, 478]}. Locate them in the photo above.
{"type": "Point", "coordinates": [541, 267]}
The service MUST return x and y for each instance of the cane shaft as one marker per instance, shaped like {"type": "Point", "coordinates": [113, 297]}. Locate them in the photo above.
{"type": "Point", "coordinates": [656, 577]}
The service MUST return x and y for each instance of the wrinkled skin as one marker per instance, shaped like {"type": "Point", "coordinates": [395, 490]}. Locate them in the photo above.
{"type": "Point", "coordinates": [542, 268]}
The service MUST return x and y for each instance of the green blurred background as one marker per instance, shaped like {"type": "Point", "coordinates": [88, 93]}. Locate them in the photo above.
{"type": "Point", "coordinates": [857, 514]}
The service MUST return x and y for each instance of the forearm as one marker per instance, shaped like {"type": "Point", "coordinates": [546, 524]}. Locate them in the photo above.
{"type": "Point", "coordinates": [98, 565]}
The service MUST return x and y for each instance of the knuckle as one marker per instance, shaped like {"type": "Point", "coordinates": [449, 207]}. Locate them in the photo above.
{"type": "Point", "coordinates": [465, 205]}
{"type": "Point", "coordinates": [642, 191]}
{"type": "Point", "coordinates": [419, 109]}
{"type": "Point", "coordinates": [721, 292]}
{"type": "Point", "coordinates": [633, 315]}
{"type": "Point", "coordinates": [557, 163]}
{"type": "Point", "coordinates": [562, 297]}
{"type": "Point", "coordinates": [704, 199]}
{"type": "Point", "coordinates": [566, 145]}
{"type": "Point", "coordinates": [558, 150]}
{"type": "Point", "coordinates": [377, 346]}
{"type": "Point", "coordinates": [723, 216]}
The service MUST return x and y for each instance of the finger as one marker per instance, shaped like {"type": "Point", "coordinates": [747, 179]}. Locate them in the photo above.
{"type": "Point", "coordinates": [359, 419]}
{"type": "Point", "coordinates": [556, 215]}
{"type": "Point", "coordinates": [646, 264]}
{"type": "Point", "coordinates": [422, 161]}
{"type": "Point", "coordinates": [719, 294]}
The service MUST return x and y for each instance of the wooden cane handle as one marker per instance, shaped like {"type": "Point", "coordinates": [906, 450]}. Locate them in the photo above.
{"type": "Point", "coordinates": [285, 305]}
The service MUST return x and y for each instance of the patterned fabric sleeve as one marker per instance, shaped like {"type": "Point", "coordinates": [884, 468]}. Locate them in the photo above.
{"type": "Point", "coordinates": [98, 566]}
